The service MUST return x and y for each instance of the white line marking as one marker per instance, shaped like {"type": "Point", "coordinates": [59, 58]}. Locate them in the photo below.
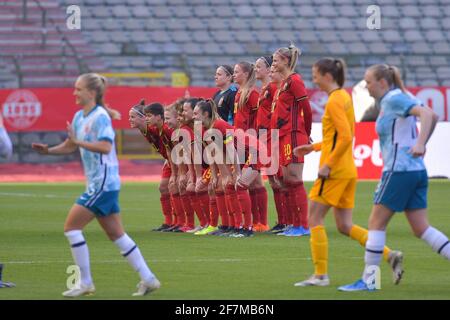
{"type": "Point", "coordinates": [32, 195]}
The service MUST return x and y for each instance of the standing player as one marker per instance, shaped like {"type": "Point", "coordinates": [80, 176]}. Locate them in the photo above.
{"type": "Point", "coordinates": [292, 117]}
{"type": "Point", "coordinates": [91, 132]}
{"type": "Point", "coordinates": [404, 182]}
{"type": "Point", "coordinates": [5, 141]}
{"type": "Point", "coordinates": [224, 98]}
{"type": "Point", "coordinates": [245, 109]}
{"type": "Point", "coordinates": [335, 188]}
{"type": "Point", "coordinates": [137, 120]}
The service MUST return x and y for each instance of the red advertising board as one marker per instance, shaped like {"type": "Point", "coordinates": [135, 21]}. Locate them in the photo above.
{"type": "Point", "coordinates": [49, 109]}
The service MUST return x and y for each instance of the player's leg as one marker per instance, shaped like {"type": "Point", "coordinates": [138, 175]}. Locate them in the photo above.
{"type": "Point", "coordinates": [437, 240]}
{"type": "Point", "coordinates": [319, 246]}
{"type": "Point", "coordinates": [112, 225]}
{"type": "Point", "coordinates": [278, 197]}
{"type": "Point", "coordinates": [261, 202]}
{"type": "Point", "coordinates": [76, 220]}
{"type": "Point", "coordinates": [376, 239]}
{"type": "Point", "coordinates": [297, 200]}
{"type": "Point", "coordinates": [166, 205]}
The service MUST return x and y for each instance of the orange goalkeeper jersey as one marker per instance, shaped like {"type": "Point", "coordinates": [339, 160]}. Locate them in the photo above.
{"type": "Point", "coordinates": [338, 131]}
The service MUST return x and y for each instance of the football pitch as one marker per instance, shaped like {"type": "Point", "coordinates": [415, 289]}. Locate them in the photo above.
{"type": "Point", "coordinates": [36, 254]}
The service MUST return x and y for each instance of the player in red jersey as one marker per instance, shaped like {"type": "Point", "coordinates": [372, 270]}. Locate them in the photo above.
{"type": "Point", "coordinates": [162, 122]}
{"type": "Point", "coordinates": [200, 199]}
{"type": "Point", "coordinates": [137, 120]}
{"type": "Point", "coordinates": [245, 110]}
{"type": "Point", "coordinates": [292, 117]}
{"type": "Point", "coordinates": [280, 192]}
{"type": "Point", "coordinates": [219, 132]}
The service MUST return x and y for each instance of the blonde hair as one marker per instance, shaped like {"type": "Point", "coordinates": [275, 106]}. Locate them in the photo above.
{"type": "Point", "coordinates": [97, 83]}
{"type": "Point", "coordinates": [291, 53]}
{"type": "Point", "coordinates": [249, 84]}
{"type": "Point", "coordinates": [389, 73]}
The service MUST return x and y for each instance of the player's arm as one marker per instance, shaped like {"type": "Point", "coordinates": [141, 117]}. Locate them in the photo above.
{"type": "Point", "coordinates": [65, 147]}
{"type": "Point", "coordinates": [428, 121]}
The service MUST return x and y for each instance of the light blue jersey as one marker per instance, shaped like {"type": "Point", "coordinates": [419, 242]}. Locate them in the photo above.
{"type": "Point", "coordinates": [101, 170]}
{"type": "Point", "coordinates": [5, 144]}
{"type": "Point", "coordinates": [398, 132]}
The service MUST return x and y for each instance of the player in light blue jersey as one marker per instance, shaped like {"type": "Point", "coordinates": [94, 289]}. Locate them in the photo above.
{"type": "Point", "coordinates": [91, 132]}
{"type": "Point", "coordinates": [404, 182]}
{"type": "Point", "coordinates": [5, 141]}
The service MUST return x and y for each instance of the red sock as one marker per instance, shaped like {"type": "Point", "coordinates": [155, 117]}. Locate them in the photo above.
{"type": "Point", "coordinates": [233, 206]}
{"type": "Point", "coordinates": [288, 211]}
{"type": "Point", "coordinates": [246, 206]}
{"type": "Point", "coordinates": [261, 198]}
{"type": "Point", "coordinates": [190, 220]}
{"type": "Point", "coordinates": [179, 211]}
{"type": "Point", "coordinates": [298, 203]}
{"type": "Point", "coordinates": [166, 207]}
{"type": "Point", "coordinates": [197, 208]}
{"type": "Point", "coordinates": [303, 203]}
{"type": "Point", "coordinates": [222, 207]}
{"type": "Point", "coordinates": [214, 212]}
{"type": "Point", "coordinates": [203, 199]}
{"type": "Point", "coordinates": [278, 199]}
{"type": "Point", "coordinates": [255, 206]}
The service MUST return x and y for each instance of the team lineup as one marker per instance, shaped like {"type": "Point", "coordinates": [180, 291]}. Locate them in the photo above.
{"type": "Point", "coordinates": [208, 180]}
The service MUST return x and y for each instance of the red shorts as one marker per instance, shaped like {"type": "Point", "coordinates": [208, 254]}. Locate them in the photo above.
{"type": "Point", "coordinates": [287, 143]}
{"type": "Point", "coordinates": [166, 171]}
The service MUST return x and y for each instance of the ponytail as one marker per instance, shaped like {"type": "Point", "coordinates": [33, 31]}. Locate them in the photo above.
{"type": "Point", "coordinates": [335, 67]}
{"type": "Point", "coordinates": [291, 53]}
{"type": "Point", "coordinates": [249, 84]}
{"type": "Point", "coordinates": [389, 73]}
{"type": "Point", "coordinates": [209, 106]}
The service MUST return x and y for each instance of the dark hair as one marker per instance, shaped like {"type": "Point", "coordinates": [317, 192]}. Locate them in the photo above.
{"type": "Point", "coordinates": [193, 101]}
{"type": "Point", "coordinates": [156, 109]}
{"type": "Point", "coordinates": [210, 107]}
{"type": "Point", "coordinates": [267, 60]}
{"type": "Point", "coordinates": [228, 70]}
{"type": "Point", "coordinates": [389, 73]}
{"type": "Point", "coordinates": [335, 67]}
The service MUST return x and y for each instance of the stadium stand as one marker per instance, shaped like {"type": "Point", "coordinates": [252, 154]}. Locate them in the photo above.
{"type": "Point", "coordinates": [194, 36]}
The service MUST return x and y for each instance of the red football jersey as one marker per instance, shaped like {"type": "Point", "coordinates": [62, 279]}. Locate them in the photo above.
{"type": "Point", "coordinates": [265, 106]}
{"type": "Point", "coordinates": [166, 137]}
{"type": "Point", "coordinates": [245, 117]}
{"type": "Point", "coordinates": [292, 110]}
{"type": "Point", "coordinates": [154, 138]}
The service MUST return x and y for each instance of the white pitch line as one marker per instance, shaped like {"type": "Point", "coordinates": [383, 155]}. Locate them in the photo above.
{"type": "Point", "coordinates": [155, 261]}
{"type": "Point", "coordinates": [32, 195]}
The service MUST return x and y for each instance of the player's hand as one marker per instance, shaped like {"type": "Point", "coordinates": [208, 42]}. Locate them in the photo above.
{"type": "Point", "coordinates": [173, 188]}
{"type": "Point", "coordinates": [324, 172]}
{"type": "Point", "coordinates": [200, 186]}
{"type": "Point", "coordinates": [303, 150]}
{"type": "Point", "coordinates": [182, 182]}
{"type": "Point", "coordinates": [418, 150]}
{"type": "Point", "coordinates": [190, 186]}
{"type": "Point", "coordinates": [40, 148]}
{"type": "Point", "coordinates": [71, 133]}
{"type": "Point", "coordinates": [113, 113]}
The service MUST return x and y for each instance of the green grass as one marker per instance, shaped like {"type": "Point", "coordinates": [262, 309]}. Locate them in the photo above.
{"type": "Point", "coordinates": [36, 253]}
